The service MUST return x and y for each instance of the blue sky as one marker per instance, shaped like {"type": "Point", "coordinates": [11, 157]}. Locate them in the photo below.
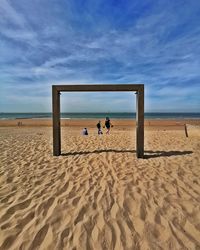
{"type": "Point", "coordinates": [45, 42]}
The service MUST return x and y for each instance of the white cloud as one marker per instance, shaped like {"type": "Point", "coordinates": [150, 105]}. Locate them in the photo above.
{"type": "Point", "coordinates": [14, 25]}
{"type": "Point", "coordinates": [10, 15]}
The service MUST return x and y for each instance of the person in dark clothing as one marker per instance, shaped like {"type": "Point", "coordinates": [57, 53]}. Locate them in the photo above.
{"type": "Point", "coordinates": [99, 128]}
{"type": "Point", "coordinates": [108, 125]}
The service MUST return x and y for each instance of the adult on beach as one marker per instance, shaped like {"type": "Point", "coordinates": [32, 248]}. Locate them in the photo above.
{"type": "Point", "coordinates": [108, 125]}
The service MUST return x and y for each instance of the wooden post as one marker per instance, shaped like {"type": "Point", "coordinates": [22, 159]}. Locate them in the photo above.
{"type": "Point", "coordinates": [186, 133]}
{"type": "Point", "coordinates": [56, 121]}
{"type": "Point", "coordinates": [140, 123]}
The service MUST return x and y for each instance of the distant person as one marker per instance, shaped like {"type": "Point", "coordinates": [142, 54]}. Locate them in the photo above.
{"type": "Point", "coordinates": [85, 132]}
{"type": "Point", "coordinates": [99, 128]}
{"type": "Point", "coordinates": [108, 125]}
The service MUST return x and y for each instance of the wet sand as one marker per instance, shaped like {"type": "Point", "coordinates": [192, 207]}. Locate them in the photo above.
{"type": "Point", "coordinates": [91, 123]}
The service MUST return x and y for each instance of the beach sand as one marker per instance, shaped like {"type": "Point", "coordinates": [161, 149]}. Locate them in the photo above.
{"type": "Point", "coordinates": [97, 194]}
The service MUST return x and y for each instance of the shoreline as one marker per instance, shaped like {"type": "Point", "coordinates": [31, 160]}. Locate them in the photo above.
{"type": "Point", "coordinates": [92, 122]}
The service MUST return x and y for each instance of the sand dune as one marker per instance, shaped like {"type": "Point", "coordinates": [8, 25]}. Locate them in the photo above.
{"type": "Point", "coordinates": [97, 194]}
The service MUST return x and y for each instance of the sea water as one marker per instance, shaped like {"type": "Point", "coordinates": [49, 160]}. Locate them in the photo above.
{"type": "Point", "coordinates": [114, 115]}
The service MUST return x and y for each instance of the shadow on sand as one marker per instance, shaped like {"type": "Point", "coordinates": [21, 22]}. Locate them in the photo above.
{"type": "Point", "coordinates": [148, 154]}
{"type": "Point", "coordinates": [154, 154]}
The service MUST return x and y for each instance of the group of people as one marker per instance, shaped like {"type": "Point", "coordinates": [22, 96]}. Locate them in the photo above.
{"type": "Point", "coordinates": [19, 124]}
{"type": "Point", "coordinates": [108, 125]}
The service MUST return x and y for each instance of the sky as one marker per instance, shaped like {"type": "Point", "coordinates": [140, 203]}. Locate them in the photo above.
{"type": "Point", "coordinates": [46, 42]}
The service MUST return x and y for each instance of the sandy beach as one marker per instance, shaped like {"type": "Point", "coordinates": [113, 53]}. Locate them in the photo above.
{"type": "Point", "coordinates": [97, 194]}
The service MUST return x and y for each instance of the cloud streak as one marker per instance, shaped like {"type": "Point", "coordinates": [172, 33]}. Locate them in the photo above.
{"type": "Point", "coordinates": [155, 43]}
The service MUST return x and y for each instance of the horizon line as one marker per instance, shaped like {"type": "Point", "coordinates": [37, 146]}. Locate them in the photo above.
{"type": "Point", "coordinates": [92, 112]}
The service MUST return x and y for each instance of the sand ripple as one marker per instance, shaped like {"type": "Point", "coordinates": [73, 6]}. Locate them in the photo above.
{"type": "Point", "coordinates": [98, 195]}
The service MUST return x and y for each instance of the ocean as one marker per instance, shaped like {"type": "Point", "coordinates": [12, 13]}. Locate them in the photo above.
{"type": "Point", "coordinates": [119, 115]}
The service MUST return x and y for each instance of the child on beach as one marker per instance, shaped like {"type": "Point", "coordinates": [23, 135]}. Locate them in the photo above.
{"type": "Point", "coordinates": [99, 128]}
{"type": "Point", "coordinates": [85, 132]}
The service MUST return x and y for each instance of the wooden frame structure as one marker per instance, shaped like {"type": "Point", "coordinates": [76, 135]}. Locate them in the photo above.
{"type": "Point", "coordinates": [139, 88]}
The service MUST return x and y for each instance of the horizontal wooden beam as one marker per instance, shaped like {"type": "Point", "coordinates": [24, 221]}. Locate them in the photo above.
{"type": "Point", "coordinates": [98, 87]}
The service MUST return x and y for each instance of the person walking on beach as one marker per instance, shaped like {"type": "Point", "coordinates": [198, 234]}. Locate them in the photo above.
{"type": "Point", "coordinates": [107, 125]}
{"type": "Point", "coordinates": [99, 128]}
{"type": "Point", "coordinates": [85, 132]}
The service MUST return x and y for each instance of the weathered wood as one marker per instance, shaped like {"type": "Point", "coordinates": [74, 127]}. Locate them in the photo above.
{"type": "Point", "coordinates": [56, 89]}
{"type": "Point", "coordinates": [140, 123]}
{"type": "Point", "coordinates": [186, 133]}
{"type": "Point", "coordinates": [56, 121]}
{"type": "Point", "coordinates": [102, 87]}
